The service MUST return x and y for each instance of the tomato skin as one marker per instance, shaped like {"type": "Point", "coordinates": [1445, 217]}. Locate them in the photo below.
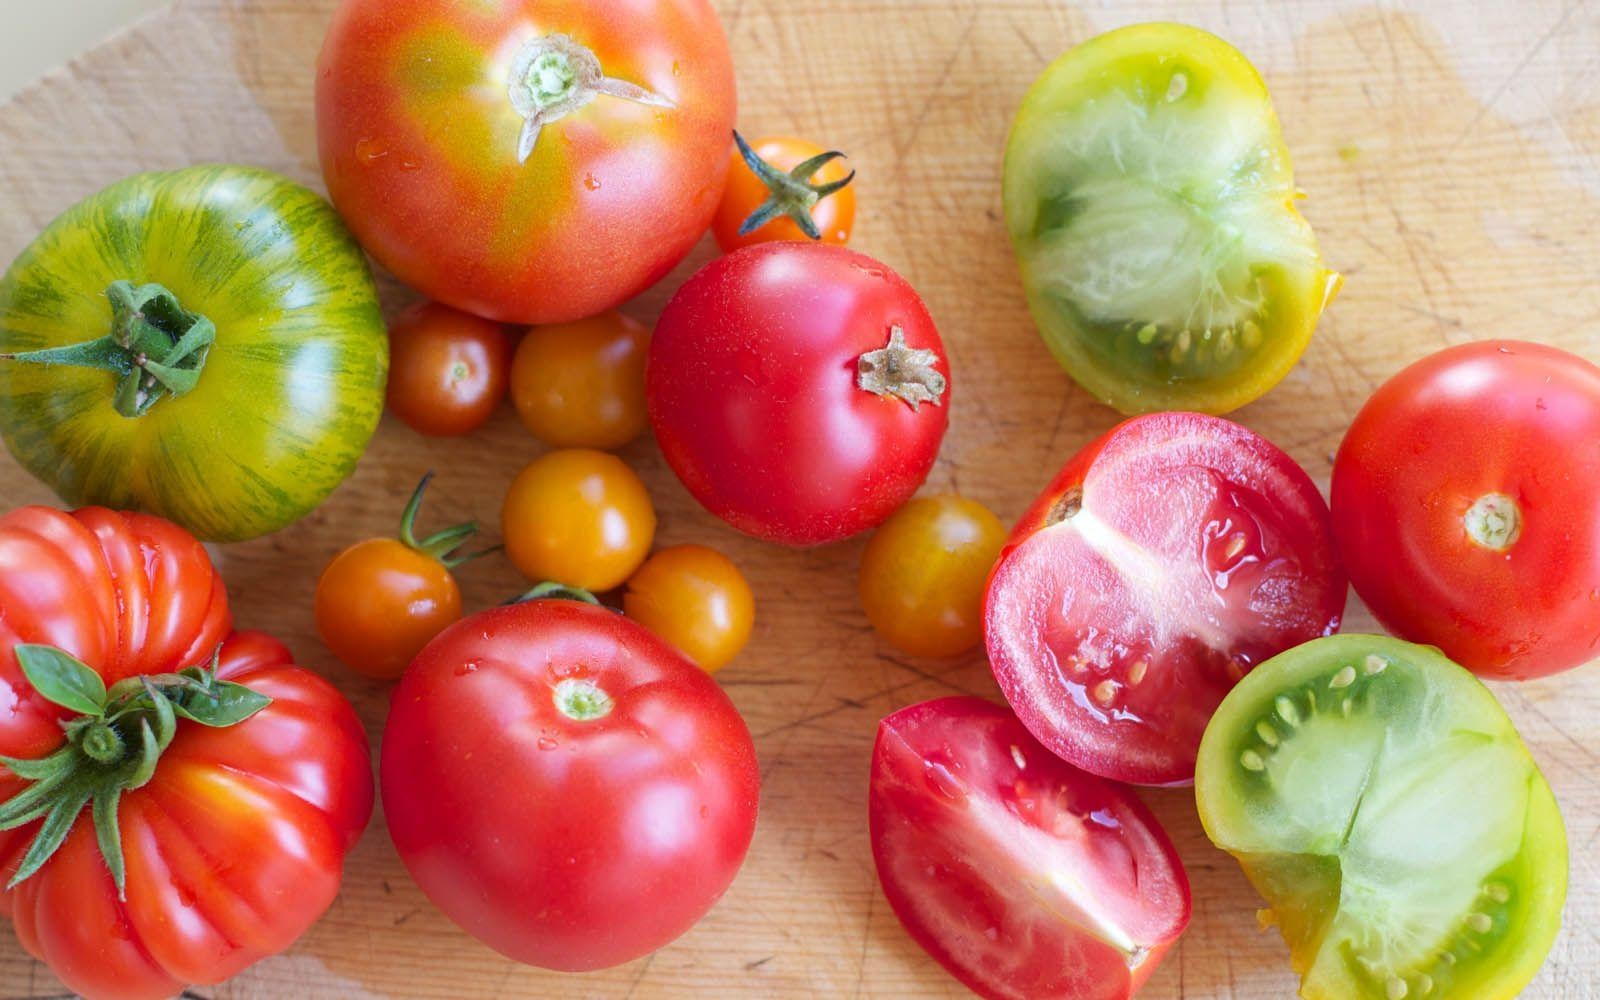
{"type": "Point", "coordinates": [581, 384]}
{"type": "Point", "coordinates": [419, 146]}
{"type": "Point", "coordinates": [629, 827]}
{"type": "Point", "coordinates": [285, 793]}
{"type": "Point", "coordinates": [696, 599]}
{"type": "Point", "coordinates": [1115, 626]}
{"type": "Point", "coordinates": [753, 395]}
{"type": "Point", "coordinates": [447, 370]}
{"type": "Point", "coordinates": [923, 574]}
{"type": "Point", "coordinates": [997, 857]}
{"type": "Point", "coordinates": [379, 602]}
{"type": "Point", "coordinates": [578, 517]}
{"type": "Point", "coordinates": [1491, 417]}
{"type": "Point", "coordinates": [835, 215]}
{"type": "Point", "coordinates": [288, 396]}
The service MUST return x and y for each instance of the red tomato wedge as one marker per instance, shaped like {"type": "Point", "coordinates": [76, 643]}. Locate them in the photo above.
{"type": "Point", "coordinates": [1024, 876]}
{"type": "Point", "coordinates": [1168, 558]}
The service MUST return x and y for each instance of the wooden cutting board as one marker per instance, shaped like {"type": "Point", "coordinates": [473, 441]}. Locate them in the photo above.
{"type": "Point", "coordinates": [1452, 156]}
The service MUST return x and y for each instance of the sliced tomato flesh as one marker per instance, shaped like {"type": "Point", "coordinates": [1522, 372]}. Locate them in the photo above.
{"type": "Point", "coordinates": [1022, 875]}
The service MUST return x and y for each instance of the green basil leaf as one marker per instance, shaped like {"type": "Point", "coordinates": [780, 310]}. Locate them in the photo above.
{"type": "Point", "coordinates": [62, 679]}
{"type": "Point", "coordinates": [225, 704]}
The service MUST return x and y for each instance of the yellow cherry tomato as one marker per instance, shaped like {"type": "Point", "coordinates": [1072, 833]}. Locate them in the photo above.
{"type": "Point", "coordinates": [923, 574]}
{"type": "Point", "coordinates": [578, 517]}
{"type": "Point", "coordinates": [581, 385]}
{"type": "Point", "coordinates": [696, 599]}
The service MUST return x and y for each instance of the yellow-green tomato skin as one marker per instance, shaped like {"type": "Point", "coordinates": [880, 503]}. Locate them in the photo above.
{"type": "Point", "coordinates": [290, 392]}
{"type": "Point", "coordinates": [924, 571]}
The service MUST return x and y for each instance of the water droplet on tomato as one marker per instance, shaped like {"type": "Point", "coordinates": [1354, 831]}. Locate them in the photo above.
{"type": "Point", "coordinates": [185, 897]}
{"type": "Point", "coordinates": [677, 68]}
{"type": "Point", "coordinates": [467, 667]}
{"type": "Point", "coordinates": [370, 150]}
{"type": "Point", "coordinates": [548, 743]}
{"type": "Point", "coordinates": [591, 182]}
{"type": "Point", "coordinates": [410, 165]}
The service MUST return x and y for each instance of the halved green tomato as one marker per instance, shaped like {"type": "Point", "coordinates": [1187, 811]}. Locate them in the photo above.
{"type": "Point", "coordinates": [1379, 798]}
{"type": "Point", "coordinates": [1152, 209]}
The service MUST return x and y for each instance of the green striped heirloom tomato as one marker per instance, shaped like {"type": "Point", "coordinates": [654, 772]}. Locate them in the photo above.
{"type": "Point", "coordinates": [203, 344]}
{"type": "Point", "coordinates": [531, 161]}
{"type": "Point", "coordinates": [1151, 205]}
{"type": "Point", "coordinates": [175, 802]}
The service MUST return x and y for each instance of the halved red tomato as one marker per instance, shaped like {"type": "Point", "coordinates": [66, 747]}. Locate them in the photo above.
{"type": "Point", "coordinates": [1024, 876]}
{"type": "Point", "coordinates": [1168, 558]}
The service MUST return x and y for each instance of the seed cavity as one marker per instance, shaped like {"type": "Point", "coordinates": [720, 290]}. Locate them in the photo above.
{"type": "Point", "coordinates": [1137, 671]}
{"type": "Point", "coordinates": [1498, 891]}
{"type": "Point", "coordinates": [1235, 546]}
{"type": "Point", "coordinates": [1344, 678]}
{"type": "Point", "coordinates": [1479, 922]}
{"type": "Point", "coordinates": [1286, 710]}
{"type": "Point", "coordinates": [1268, 735]}
{"type": "Point", "coordinates": [1251, 761]}
{"type": "Point", "coordinates": [1374, 664]}
{"type": "Point", "coordinates": [1395, 988]}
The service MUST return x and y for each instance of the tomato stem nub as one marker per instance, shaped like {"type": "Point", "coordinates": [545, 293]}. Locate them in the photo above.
{"type": "Point", "coordinates": [1494, 521]}
{"type": "Point", "coordinates": [156, 347]}
{"type": "Point", "coordinates": [555, 75]}
{"type": "Point", "coordinates": [582, 699]}
{"type": "Point", "coordinates": [791, 194]}
{"type": "Point", "coordinates": [97, 763]}
{"type": "Point", "coordinates": [900, 370]}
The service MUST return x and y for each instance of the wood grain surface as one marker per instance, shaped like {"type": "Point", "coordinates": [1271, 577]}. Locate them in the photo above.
{"type": "Point", "coordinates": [1451, 152]}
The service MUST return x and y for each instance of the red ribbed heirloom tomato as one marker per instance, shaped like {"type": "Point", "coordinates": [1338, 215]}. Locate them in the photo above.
{"type": "Point", "coordinates": [566, 786]}
{"type": "Point", "coordinates": [1026, 878]}
{"type": "Point", "coordinates": [799, 390]}
{"type": "Point", "coordinates": [185, 798]}
{"type": "Point", "coordinates": [531, 161]}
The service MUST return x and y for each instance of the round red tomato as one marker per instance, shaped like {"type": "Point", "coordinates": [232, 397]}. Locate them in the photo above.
{"type": "Point", "coordinates": [447, 370]}
{"type": "Point", "coordinates": [620, 771]}
{"type": "Point", "coordinates": [531, 161]}
{"type": "Point", "coordinates": [1168, 558]}
{"type": "Point", "coordinates": [278, 781]}
{"type": "Point", "coordinates": [799, 390]}
{"type": "Point", "coordinates": [1464, 501]}
{"type": "Point", "coordinates": [1025, 877]}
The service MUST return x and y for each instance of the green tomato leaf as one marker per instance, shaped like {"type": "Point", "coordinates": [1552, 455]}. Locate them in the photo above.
{"type": "Point", "coordinates": [223, 704]}
{"type": "Point", "coordinates": [61, 678]}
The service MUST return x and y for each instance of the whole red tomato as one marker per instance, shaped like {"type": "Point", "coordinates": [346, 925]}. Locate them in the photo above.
{"type": "Point", "coordinates": [1167, 559]}
{"type": "Point", "coordinates": [1464, 501]}
{"type": "Point", "coordinates": [799, 390]}
{"type": "Point", "coordinates": [531, 161]}
{"type": "Point", "coordinates": [277, 779]}
{"type": "Point", "coordinates": [566, 786]}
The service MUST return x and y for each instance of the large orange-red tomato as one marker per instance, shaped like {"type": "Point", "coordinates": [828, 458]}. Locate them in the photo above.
{"type": "Point", "coordinates": [531, 161]}
{"type": "Point", "coordinates": [235, 844]}
{"type": "Point", "coordinates": [566, 786]}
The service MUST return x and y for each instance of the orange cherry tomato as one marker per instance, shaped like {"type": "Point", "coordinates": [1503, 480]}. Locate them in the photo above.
{"type": "Point", "coordinates": [581, 385]}
{"type": "Point", "coordinates": [447, 369]}
{"type": "Point", "coordinates": [696, 599]}
{"type": "Point", "coordinates": [381, 600]}
{"type": "Point", "coordinates": [923, 574]}
{"type": "Point", "coordinates": [578, 517]}
{"type": "Point", "coordinates": [785, 189]}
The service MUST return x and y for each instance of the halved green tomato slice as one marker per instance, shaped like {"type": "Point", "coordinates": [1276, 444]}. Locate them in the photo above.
{"type": "Point", "coordinates": [1152, 209]}
{"type": "Point", "coordinates": [1379, 798]}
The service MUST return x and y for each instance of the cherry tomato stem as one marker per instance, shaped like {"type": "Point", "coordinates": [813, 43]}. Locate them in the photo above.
{"type": "Point", "coordinates": [441, 545]}
{"type": "Point", "coordinates": [551, 590]}
{"type": "Point", "coordinates": [792, 194]}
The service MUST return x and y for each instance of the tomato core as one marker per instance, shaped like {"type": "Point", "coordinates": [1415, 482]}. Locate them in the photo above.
{"type": "Point", "coordinates": [899, 370]}
{"type": "Point", "coordinates": [1494, 521]}
{"type": "Point", "coordinates": [582, 700]}
{"type": "Point", "coordinates": [556, 75]}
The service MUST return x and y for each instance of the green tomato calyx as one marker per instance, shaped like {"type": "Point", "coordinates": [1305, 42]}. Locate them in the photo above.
{"type": "Point", "coordinates": [555, 75]}
{"type": "Point", "coordinates": [156, 347]}
{"type": "Point", "coordinates": [582, 700]}
{"type": "Point", "coordinates": [550, 590]}
{"type": "Point", "coordinates": [112, 746]}
{"type": "Point", "coordinates": [1494, 521]}
{"type": "Point", "coordinates": [902, 371]}
{"type": "Point", "coordinates": [791, 194]}
{"type": "Point", "coordinates": [445, 546]}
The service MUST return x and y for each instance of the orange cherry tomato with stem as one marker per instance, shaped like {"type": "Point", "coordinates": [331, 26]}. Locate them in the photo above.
{"type": "Point", "coordinates": [381, 600]}
{"type": "Point", "coordinates": [447, 369]}
{"type": "Point", "coordinates": [578, 517]}
{"type": "Point", "coordinates": [581, 385]}
{"type": "Point", "coordinates": [695, 598]}
{"type": "Point", "coordinates": [785, 189]}
{"type": "Point", "coordinates": [923, 574]}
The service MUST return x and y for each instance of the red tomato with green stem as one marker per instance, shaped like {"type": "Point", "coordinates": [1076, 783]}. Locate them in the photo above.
{"type": "Point", "coordinates": [1464, 504]}
{"type": "Point", "coordinates": [785, 189]}
{"type": "Point", "coordinates": [799, 390]}
{"type": "Point", "coordinates": [620, 770]}
{"type": "Point", "coordinates": [142, 744]}
{"type": "Point", "coordinates": [532, 161]}
{"type": "Point", "coordinates": [1168, 558]}
{"type": "Point", "coordinates": [1026, 878]}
